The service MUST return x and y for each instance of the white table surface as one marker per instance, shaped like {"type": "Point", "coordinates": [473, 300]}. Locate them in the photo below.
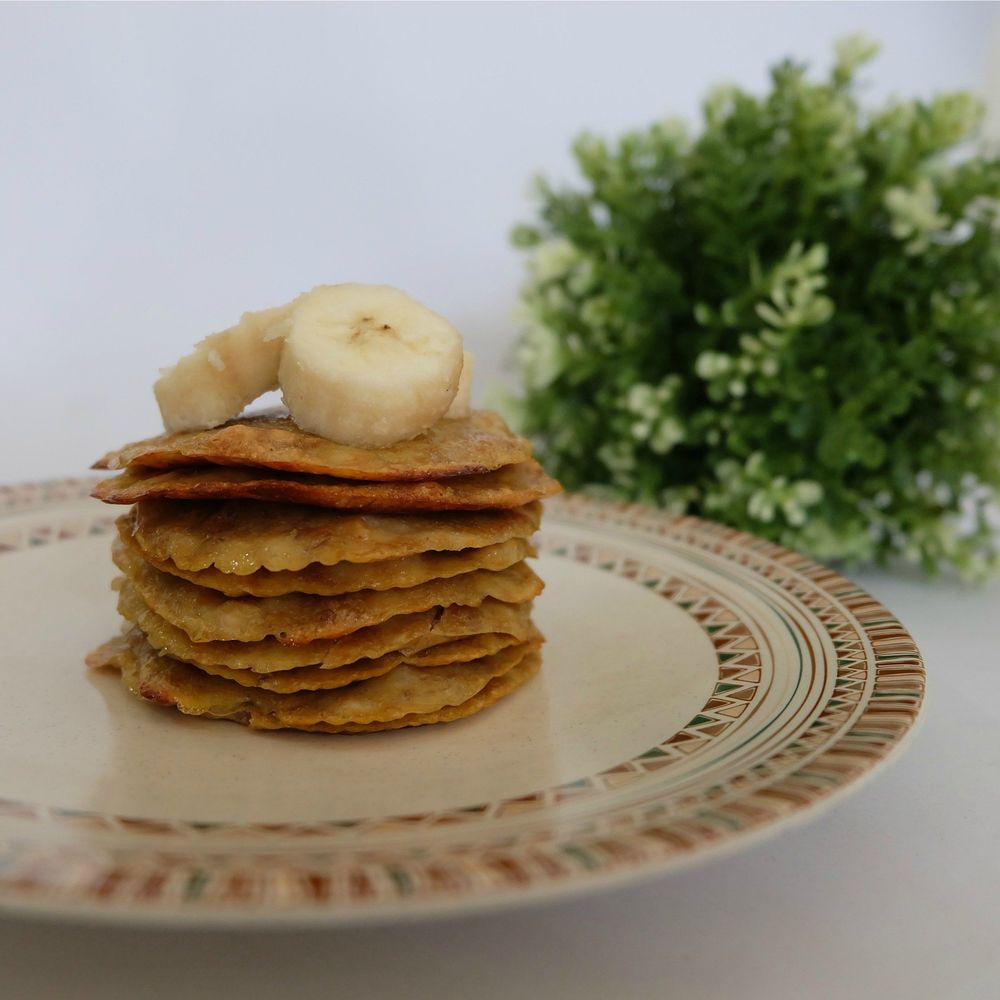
{"type": "Point", "coordinates": [893, 893]}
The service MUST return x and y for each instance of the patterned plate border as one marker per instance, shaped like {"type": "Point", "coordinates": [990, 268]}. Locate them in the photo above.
{"type": "Point", "coordinates": [319, 884]}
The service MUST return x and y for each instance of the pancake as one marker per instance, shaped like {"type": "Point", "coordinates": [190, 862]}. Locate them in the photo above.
{"type": "Point", "coordinates": [344, 578]}
{"type": "Point", "coordinates": [296, 619]}
{"type": "Point", "coordinates": [304, 678]}
{"type": "Point", "coordinates": [243, 536]}
{"type": "Point", "coordinates": [408, 635]}
{"type": "Point", "coordinates": [497, 688]}
{"type": "Point", "coordinates": [511, 486]}
{"type": "Point", "coordinates": [402, 692]}
{"type": "Point", "coordinates": [470, 648]}
{"type": "Point", "coordinates": [478, 443]}
{"type": "Point", "coordinates": [475, 647]}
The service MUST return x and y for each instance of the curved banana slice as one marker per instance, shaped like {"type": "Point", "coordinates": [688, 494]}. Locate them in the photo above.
{"type": "Point", "coordinates": [461, 405]}
{"type": "Point", "coordinates": [225, 372]}
{"type": "Point", "coordinates": [367, 366]}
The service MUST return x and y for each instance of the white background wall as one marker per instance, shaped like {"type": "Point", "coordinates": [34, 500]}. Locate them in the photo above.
{"type": "Point", "coordinates": [164, 168]}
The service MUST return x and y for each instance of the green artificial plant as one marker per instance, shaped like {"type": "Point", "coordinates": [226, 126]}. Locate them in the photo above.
{"type": "Point", "coordinates": [789, 322]}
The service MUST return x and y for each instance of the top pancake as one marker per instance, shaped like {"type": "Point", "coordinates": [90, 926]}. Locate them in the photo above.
{"type": "Point", "coordinates": [475, 444]}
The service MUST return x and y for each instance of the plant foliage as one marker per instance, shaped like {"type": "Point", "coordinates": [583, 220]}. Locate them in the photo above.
{"type": "Point", "coordinates": [790, 323]}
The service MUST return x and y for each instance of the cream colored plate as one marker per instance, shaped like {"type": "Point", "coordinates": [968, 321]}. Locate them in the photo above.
{"type": "Point", "coordinates": [700, 688]}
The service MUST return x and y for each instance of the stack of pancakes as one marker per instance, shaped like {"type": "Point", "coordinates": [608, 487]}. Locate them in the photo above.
{"type": "Point", "coordinates": [281, 580]}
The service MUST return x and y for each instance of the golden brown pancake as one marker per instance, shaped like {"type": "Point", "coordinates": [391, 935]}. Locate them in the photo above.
{"type": "Point", "coordinates": [478, 443]}
{"type": "Point", "coordinates": [243, 536]}
{"type": "Point", "coordinates": [511, 486]}
{"type": "Point", "coordinates": [472, 647]}
{"type": "Point", "coordinates": [344, 578]}
{"type": "Point", "coordinates": [497, 688]}
{"type": "Point", "coordinates": [402, 692]}
{"type": "Point", "coordinates": [408, 635]}
{"type": "Point", "coordinates": [475, 647]}
{"type": "Point", "coordinates": [296, 619]}
{"type": "Point", "coordinates": [308, 678]}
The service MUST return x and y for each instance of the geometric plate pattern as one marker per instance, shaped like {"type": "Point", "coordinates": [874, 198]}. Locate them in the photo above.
{"type": "Point", "coordinates": [623, 821]}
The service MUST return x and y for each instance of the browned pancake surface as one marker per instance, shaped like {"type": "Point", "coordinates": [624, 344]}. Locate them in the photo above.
{"type": "Point", "coordinates": [511, 486]}
{"type": "Point", "coordinates": [243, 536]}
{"type": "Point", "coordinates": [345, 577]}
{"type": "Point", "coordinates": [497, 688]}
{"type": "Point", "coordinates": [478, 443]}
{"type": "Point", "coordinates": [393, 696]}
{"type": "Point", "coordinates": [475, 647]}
{"type": "Point", "coordinates": [297, 619]}
{"type": "Point", "coordinates": [413, 636]}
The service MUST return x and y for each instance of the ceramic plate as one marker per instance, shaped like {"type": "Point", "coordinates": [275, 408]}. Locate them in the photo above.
{"type": "Point", "coordinates": [701, 688]}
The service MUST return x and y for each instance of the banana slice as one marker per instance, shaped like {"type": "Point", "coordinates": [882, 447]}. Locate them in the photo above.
{"type": "Point", "coordinates": [225, 372]}
{"type": "Point", "coordinates": [461, 405]}
{"type": "Point", "coordinates": [367, 366]}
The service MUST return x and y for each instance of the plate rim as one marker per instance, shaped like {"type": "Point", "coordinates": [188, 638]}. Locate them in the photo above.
{"type": "Point", "coordinates": [49, 494]}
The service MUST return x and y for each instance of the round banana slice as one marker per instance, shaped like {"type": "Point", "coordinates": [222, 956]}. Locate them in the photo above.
{"type": "Point", "coordinates": [224, 373]}
{"type": "Point", "coordinates": [461, 405]}
{"type": "Point", "coordinates": [367, 366]}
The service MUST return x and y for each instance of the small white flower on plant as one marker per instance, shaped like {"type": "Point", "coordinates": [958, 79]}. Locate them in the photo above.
{"type": "Point", "coordinates": [674, 129]}
{"type": "Point", "coordinates": [666, 434]}
{"type": "Point", "coordinates": [656, 425]}
{"type": "Point", "coordinates": [677, 499]}
{"type": "Point", "coordinates": [796, 282]}
{"type": "Point", "coordinates": [984, 209]}
{"type": "Point", "coordinates": [582, 277]}
{"type": "Point", "coordinates": [914, 215]}
{"type": "Point", "coordinates": [711, 364]}
{"type": "Point", "coordinates": [767, 496]}
{"type": "Point", "coordinates": [553, 259]}
{"type": "Point", "coordinates": [853, 51]}
{"type": "Point", "coordinates": [540, 356]}
{"type": "Point", "coordinates": [619, 459]}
